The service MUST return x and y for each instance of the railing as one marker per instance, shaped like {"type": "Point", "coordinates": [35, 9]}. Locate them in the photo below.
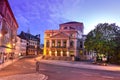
{"type": "Point", "coordinates": [58, 47]}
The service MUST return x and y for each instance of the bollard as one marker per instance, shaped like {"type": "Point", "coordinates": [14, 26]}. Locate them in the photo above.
{"type": "Point", "coordinates": [37, 66]}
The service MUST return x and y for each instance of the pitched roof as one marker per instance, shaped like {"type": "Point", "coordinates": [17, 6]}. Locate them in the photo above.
{"type": "Point", "coordinates": [72, 22]}
{"type": "Point", "coordinates": [28, 36]}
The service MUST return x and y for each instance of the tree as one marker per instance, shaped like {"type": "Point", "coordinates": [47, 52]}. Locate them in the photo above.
{"type": "Point", "coordinates": [104, 39]}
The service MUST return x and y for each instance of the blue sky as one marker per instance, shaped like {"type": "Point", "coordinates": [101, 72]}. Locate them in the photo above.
{"type": "Point", "coordinates": [41, 15]}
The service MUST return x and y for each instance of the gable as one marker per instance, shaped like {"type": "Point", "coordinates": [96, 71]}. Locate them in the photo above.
{"type": "Point", "coordinates": [60, 35]}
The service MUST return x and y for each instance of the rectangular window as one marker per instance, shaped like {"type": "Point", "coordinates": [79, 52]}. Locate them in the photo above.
{"type": "Point", "coordinates": [47, 35]}
{"type": "Point", "coordinates": [53, 43]}
{"type": "Point", "coordinates": [47, 44]}
{"type": "Point", "coordinates": [64, 44]}
{"type": "Point", "coordinates": [71, 43]}
{"type": "Point", "coordinates": [81, 45]}
{"type": "Point", "coordinates": [58, 44]}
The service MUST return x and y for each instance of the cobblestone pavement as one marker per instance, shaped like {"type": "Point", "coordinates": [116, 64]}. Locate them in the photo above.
{"type": "Point", "coordinates": [23, 69]}
{"type": "Point", "coordinates": [33, 76]}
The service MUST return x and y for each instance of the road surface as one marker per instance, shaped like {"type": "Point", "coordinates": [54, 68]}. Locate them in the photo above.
{"type": "Point", "coordinates": [66, 73]}
{"type": "Point", "coordinates": [27, 66]}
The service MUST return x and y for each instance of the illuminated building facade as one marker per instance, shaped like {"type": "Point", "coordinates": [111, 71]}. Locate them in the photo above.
{"type": "Point", "coordinates": [67, 41]}
{"type": "Point", "coordinates": [8, 31]}
{"type": "Point", "coordinates": [21, 46]}
{"type": "Point", "coordinates": [33, 43]}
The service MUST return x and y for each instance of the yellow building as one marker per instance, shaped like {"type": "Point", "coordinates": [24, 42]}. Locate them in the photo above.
{"type": "Point", "coordinates": [67, 41]}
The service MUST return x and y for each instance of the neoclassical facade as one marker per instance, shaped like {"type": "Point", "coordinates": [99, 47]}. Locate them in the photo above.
{"type": "Point", "coordinates": [67, 41]}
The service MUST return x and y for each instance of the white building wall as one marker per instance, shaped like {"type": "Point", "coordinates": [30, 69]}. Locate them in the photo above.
{"type": "Point", "coordinates": [23, 46]}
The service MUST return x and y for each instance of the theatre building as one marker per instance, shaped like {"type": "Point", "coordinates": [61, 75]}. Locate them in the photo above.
{"type": "Point", "coordinates": [66, 41]}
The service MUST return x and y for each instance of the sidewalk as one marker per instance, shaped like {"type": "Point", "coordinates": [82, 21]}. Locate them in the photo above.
{"type": "Point", "coordinates": [82, 65]}
{"type": "Point", "coordinates": [33, 76]}
{"type": "Point", "coordinates": [5, 64]}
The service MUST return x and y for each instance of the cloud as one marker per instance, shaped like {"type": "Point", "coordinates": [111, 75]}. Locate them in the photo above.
{"type": "Point", "coordinates": [40, 15]}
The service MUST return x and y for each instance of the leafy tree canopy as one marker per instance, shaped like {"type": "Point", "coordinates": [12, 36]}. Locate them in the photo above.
{"type": "Point", "coordinates": [103, 39]}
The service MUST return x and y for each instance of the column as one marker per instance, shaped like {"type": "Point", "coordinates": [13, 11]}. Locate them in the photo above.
{"type": "Point", "coordinates": [44, 47]}
{"type": "Point", "coordinates": [67, 53]}
{"type": "Point", "coordinates": [50, 43]}
{"type": "Point", "coordinates": [62, 43]}
{"type": "Point", "coordinates": [61, 53]}
{"type": "Point", "coordinates": [68, 43]}
{"type": "Point", "coordinates": [75, 46]}
{"type": "Point", "coordinates": [55, 43]}
{"type": "Point", "coordinates": [56, 53]}
{"type": "Point", "coordinates": [50, 53]}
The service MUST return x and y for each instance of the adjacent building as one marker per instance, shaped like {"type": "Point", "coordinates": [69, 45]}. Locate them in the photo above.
{"type": "Point", "coordinates": [67, 41]}
{"type": "Point", "coordinates": [20, 48]}
{"type": "Point", "coordinates": [23, 47]}
{"type": "Point", "coordinates": [33, 43]}
{"type": "Point", "coordinates": [8, 31]}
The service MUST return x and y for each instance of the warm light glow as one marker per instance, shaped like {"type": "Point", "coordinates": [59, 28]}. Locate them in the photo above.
{"type": "Point", "coordinates": [19, 54]}
{"type": "Point", "coordinates": [49, 52]}
{"type": "Point", "coordinates": [9, 50]}
{"type": "Point", "coordinates": [9, 45]}
{"type": "Point", "coordinates": [0, 35]}
{"type": "Point", "coordinates": [56, 52]}
{"type": "Point", "coordinates": [67, 53]}
{"type": "Point", "coordinates": [35, 46]}
{"type": "Point", "coordinates": [13, 44]}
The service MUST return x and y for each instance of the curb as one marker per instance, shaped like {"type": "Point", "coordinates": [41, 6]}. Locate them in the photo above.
{"type": "Point", "coordinates": [34, 76]}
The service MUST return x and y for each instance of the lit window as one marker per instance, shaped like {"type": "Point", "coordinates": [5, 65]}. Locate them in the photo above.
{"type": "Point", "coordinates": [47, 35]}
{"type": "Point", "coordinates": [53, 43]}
{"type": "Point", "coordinates": [58, 43]}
